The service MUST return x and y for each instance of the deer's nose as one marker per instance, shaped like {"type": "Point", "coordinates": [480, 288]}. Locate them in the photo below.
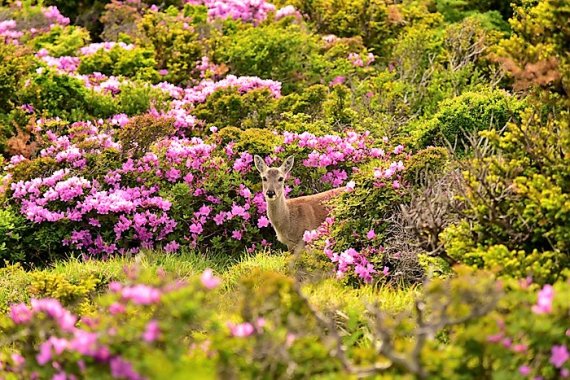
{"type": "Point", "coordinates": [270, 193]}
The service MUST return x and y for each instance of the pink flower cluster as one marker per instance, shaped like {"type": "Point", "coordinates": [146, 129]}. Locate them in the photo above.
{"type": "Point", "coordinates": [289, 10]}
{"type": "Point", "coordinates": [357, 60]}
{"type": "Point", "coordinates": [253, 11]}
{"type": "Point", "coordinates": [207, 68]}
{"type": "Point", "coordinates": [75, 340]}
{"type": "Point", "coordinates": [106, 46]}
{"type": "Point", "coordinates": [200, 93]}
{"type": "Point", "coordinates": [9, 32]}
{"type": "Point", "coordinates": [64, 64]}
{"type": "Point", "coordinates": [53, 14]}
{"type": "Point", "coordinates": [134, 209]}
{"type": "Point", "coordinates": [544, 302]}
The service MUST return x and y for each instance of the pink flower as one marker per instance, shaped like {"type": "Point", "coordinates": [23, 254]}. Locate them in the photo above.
{"type": "Point", "coordinates": [18, 359]}
{"type": "Point", "coordinates": [396, 185]}
{"type": "Point", "coordinates": [209, 281]}
{"type": "Point", "coordinates": [196, 228]}
{"type": "Point", "coordinates": [309, 236]}
{"type": "Point", "coordinates": [151, 332]}
{"type": "Point", "coordinates": [236, 234]}
{"type": "Point", "coordinates": [495, 338]}
{"type": "Point", "coordinates": [564, 373]}
{"type": "Point", "coordinates": [559, 355]}
{"type": "Point", "coordinates": [262, 222]}
{"type": "Point", "coordinates": [520, 348]}
{"type": "Point", "coordinates": [44, 355]}
{"type": "Point", "coordinates": [399, 149]}
{"type": "Point", "coordinates": [337, 80]}
{"type": "Point", "coordinates": [544, 303]}
{"type": "Point", "coordinates": [241, 330]}
{"type": "Point", "coordinates": [20, 313]}
{"type": "Point", "coordinates": [371, 234]}
{"type": "Point", "coordinates": [116, 308]}
{"type": "Point", "coordinates": [386, 271]}
{"type": "Point", "coordinates": [173, 246]}
{"type": "Point", "coordinates": [350, 186]}
{"type": "Point", "coordinates": [141, 294]}
{"type": "Point", "coordinates": [524, 370]}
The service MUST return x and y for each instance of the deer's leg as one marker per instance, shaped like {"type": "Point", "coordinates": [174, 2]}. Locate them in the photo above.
{"type": "Point", "coordinates": [299, 247]}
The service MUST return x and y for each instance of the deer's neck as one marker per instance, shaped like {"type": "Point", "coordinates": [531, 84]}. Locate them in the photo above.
{"type": "Point", "coordinates": [278, 213]}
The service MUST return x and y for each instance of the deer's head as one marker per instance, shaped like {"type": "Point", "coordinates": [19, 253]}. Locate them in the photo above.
{"type": "Point", "coordinates": [273, 178]}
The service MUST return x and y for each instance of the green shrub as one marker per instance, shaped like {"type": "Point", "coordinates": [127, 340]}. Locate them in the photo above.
{"type": "Point", "coordinates": [62, 41]}
{"type": "Point", "coordinates": [466, 114]}
{"type": "Point", "coordinates": [12, 230]}
{"type": "Point", "coordinates": [138, 97]}
{"type": "Point", "coordinates": [285, 53]}
{"type": "Point", "coordinates": [309, 101]}
{"type": "Point", "coordinates": [516, 199]}
{"type": "Point", "coordinates": [56, 95]}
{"type": "Point", "coordinates": [428, 162]}
{"type": "Point", "coordinates": [142, 131]}
{"type": "Point", "coordinates": [15, 63]}
{"type": "Point", "coordinates": [177, 46]}
{"type": "Point", "coordinates": [229, 108]}
{"type": "Point", "coordinates": [374, 20]}
{"type": "Point", "coordinates": [138, 63]}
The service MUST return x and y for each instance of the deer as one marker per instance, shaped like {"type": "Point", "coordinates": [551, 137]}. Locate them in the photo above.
{"type": "Point", "coordinates": [290, 218]}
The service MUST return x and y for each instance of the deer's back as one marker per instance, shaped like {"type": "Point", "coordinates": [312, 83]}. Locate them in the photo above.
{"type": "Point", "coordinates": [308, 212]}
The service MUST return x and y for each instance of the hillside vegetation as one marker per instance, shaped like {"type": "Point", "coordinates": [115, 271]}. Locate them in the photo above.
{"type": "Point", "coordinates": [134, 240]}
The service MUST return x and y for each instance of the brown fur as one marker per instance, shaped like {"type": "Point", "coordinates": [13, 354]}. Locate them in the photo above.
{"type": "Point", "coordinates": [291, 217]}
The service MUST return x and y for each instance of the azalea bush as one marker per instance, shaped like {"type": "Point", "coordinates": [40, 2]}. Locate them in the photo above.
{"type": "Point", "coordinates": [136, 329]}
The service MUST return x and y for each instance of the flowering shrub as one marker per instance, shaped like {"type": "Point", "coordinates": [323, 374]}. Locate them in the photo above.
{"type": "Point", "coordinates": [253, 11]}
{"type": "Point", "coordinates": [151, 326]}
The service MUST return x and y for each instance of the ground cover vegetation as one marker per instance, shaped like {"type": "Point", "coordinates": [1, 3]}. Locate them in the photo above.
{"type": "Point", "coordinates": [134, 240]}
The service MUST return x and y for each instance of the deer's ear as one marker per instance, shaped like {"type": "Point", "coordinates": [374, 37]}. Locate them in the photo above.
{"type": "Point", "coordinates": [259, 164]}
{"type": "Point", "coordinates": [288, 164]}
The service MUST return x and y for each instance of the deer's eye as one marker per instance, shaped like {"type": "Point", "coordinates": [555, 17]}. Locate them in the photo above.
{"type": "Point", "coordinates": [280, 179]}
{"type": "Point", "coordinates": [264, 179]}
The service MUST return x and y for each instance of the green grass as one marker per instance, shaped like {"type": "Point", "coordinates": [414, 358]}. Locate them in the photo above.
{"type": "Point", "coordinates": [324, 292]}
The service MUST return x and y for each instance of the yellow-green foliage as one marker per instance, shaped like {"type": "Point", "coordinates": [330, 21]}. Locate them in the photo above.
{"type": "Point", "coordinates": [517, 202]}
{"type": "Point", "coordinates": [466, 114]}
{"type": "Point", "coordinates": [137, 63]}
{"type": "Point", "coordinates": [62, 40]}
{"type": "Point", "coordinates": [142, 131]}
{"type": "Point", "coordinates": [177, 47]}
{"type": "Point", "coordinates": [76, 295]}
{"type": "Point", "coordinates": [228, 108]}
{"type": "Point", "coordinates": [286, 53]}
{"type": "Point", "coordinates": [15, 61]}
{"type": "Point", "coordinates": [427, 162]}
